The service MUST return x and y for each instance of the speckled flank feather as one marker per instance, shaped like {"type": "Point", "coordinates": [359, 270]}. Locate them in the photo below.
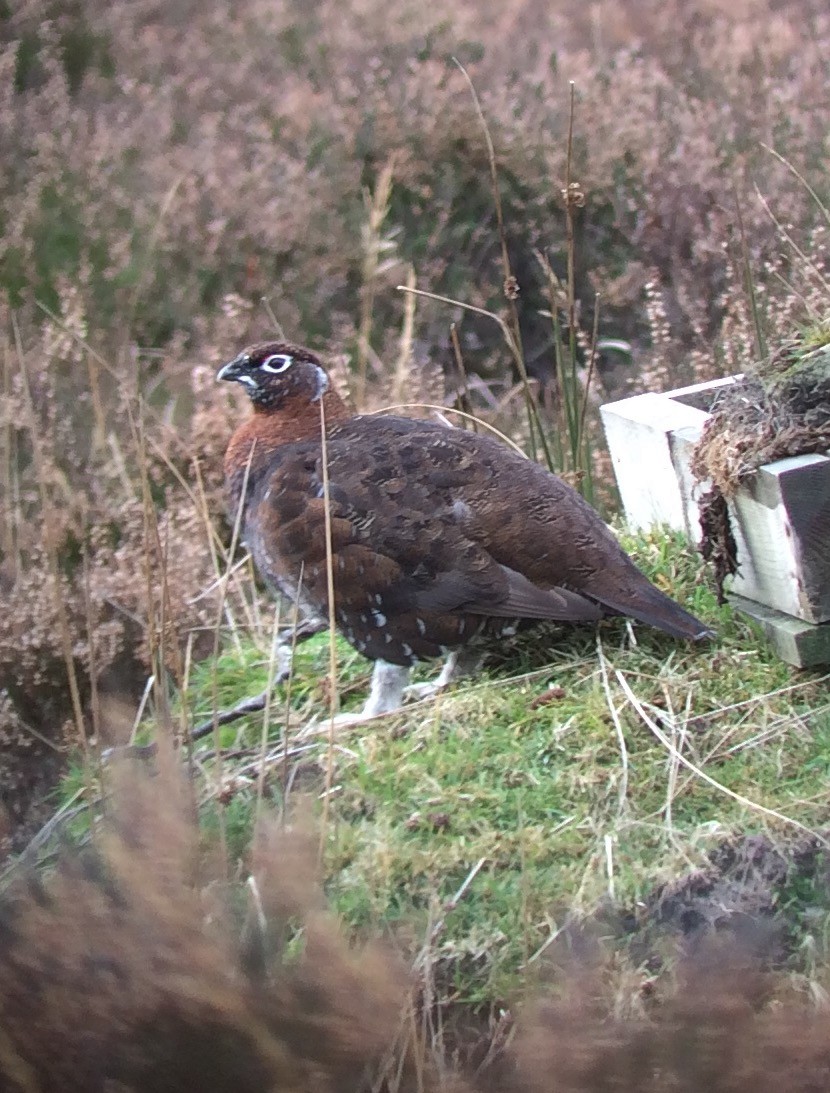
{"type": "Point", "coordinates": [437, 534]}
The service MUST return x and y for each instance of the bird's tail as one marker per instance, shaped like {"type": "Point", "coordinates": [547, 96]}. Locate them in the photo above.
{"type": "Point", "coordinates": [648, 604]}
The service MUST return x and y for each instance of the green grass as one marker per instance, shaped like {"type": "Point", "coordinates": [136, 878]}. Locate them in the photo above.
{"type": "Point", "coordinates": [523, 776]}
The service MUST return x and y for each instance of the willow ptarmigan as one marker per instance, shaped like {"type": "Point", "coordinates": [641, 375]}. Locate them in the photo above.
{"type": "Point", "coordinates": [439, 537]}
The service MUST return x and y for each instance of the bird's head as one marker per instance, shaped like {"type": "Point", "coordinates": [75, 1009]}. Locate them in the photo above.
{"type": "Point", "coordinates": [274, 372]}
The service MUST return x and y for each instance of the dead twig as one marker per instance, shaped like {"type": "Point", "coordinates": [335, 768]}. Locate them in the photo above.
{"type": "Point", "coordinates": [286, 644]}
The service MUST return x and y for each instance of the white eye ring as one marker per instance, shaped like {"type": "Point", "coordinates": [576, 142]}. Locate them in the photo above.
{"type": "Point", "coordinates": [285, 360]}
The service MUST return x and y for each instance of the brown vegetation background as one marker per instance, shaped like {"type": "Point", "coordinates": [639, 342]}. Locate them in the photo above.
{"type": "Point", "coordinates": [179, 178]}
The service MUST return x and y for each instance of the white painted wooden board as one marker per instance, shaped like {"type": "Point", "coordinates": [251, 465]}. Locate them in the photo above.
{"type": "Point", "coordinates": [642, 438]}
{"type": "Point", "coordinates": [638, 431]}
{"type": "Point", "coordinates": [776, 516]}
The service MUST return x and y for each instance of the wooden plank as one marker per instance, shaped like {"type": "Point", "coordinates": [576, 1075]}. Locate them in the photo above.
{"type": "Point", "coordinates": [802, 644]}
{"type": "Point", "coordinates": [776, 517]}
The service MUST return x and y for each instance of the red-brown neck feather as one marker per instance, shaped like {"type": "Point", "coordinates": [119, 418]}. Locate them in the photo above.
{"type": "Point", "coordinates": [266, 430]}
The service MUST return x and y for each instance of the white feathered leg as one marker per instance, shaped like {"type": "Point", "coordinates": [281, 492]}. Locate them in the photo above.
{"type": "Point", "coordinates": [388, 683]}
{"type": "Point", "coordinates": [286, 640]}
{"type": "Point", "coordinates": [385, 696]}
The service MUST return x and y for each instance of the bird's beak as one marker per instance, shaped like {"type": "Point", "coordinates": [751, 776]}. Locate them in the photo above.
{"type": "Point", "coordinates": [233, 369]}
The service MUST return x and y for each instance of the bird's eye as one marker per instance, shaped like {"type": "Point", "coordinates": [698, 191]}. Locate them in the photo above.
{"type": "Point", "coordinates": [277, 362]}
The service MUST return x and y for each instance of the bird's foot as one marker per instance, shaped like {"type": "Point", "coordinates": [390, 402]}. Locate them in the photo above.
{"type": "Point", "coordinates": [389, 687]}
{"type": "Point", "coordinates": [385, 696]}
{"type": "Point", "coordinates": [459, 664]}
{"type": "Point", "coordinates": [418, 692]}
{"type": "Point", "coordinates": [347, 720]}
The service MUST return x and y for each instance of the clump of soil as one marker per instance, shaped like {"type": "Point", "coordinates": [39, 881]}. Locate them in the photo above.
{"type": "Point", "coordinates": [754, 893]}
{"type": "Point", "coordinates": [742, 889]}
{"type": "Point", "coordinates": [781, 410]}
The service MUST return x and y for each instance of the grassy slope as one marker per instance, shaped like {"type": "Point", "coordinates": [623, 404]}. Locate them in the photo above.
{"type": "Point", "coordinates": [525, 771]}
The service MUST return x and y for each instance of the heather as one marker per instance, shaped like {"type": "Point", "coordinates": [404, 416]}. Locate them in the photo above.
{"type": "Point", "coordinates": [163, 159]}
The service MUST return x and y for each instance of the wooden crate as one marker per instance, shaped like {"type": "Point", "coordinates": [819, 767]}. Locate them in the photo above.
{"type": "Point", "coordinates": [776, 515]}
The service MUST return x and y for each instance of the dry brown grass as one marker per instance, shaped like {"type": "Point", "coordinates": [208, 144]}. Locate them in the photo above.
{"type": "Point", "coordinates": [135, 965]}
{"type": "Point", "coordinates": [111, 547]}
{"type": "Point", "coordinates": [130, 965]}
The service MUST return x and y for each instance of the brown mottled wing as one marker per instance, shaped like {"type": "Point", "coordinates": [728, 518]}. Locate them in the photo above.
{"type": "Point", "coordinates": [411, 481]}
{"type": "Point", "coordinates": [409, 544]}
{"type": "Point", "coordinates": [535, 522]}
{"type": "Point", "coordinates": [517, 597]}
{"type": "Point", "coordinates": [526, 520]}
